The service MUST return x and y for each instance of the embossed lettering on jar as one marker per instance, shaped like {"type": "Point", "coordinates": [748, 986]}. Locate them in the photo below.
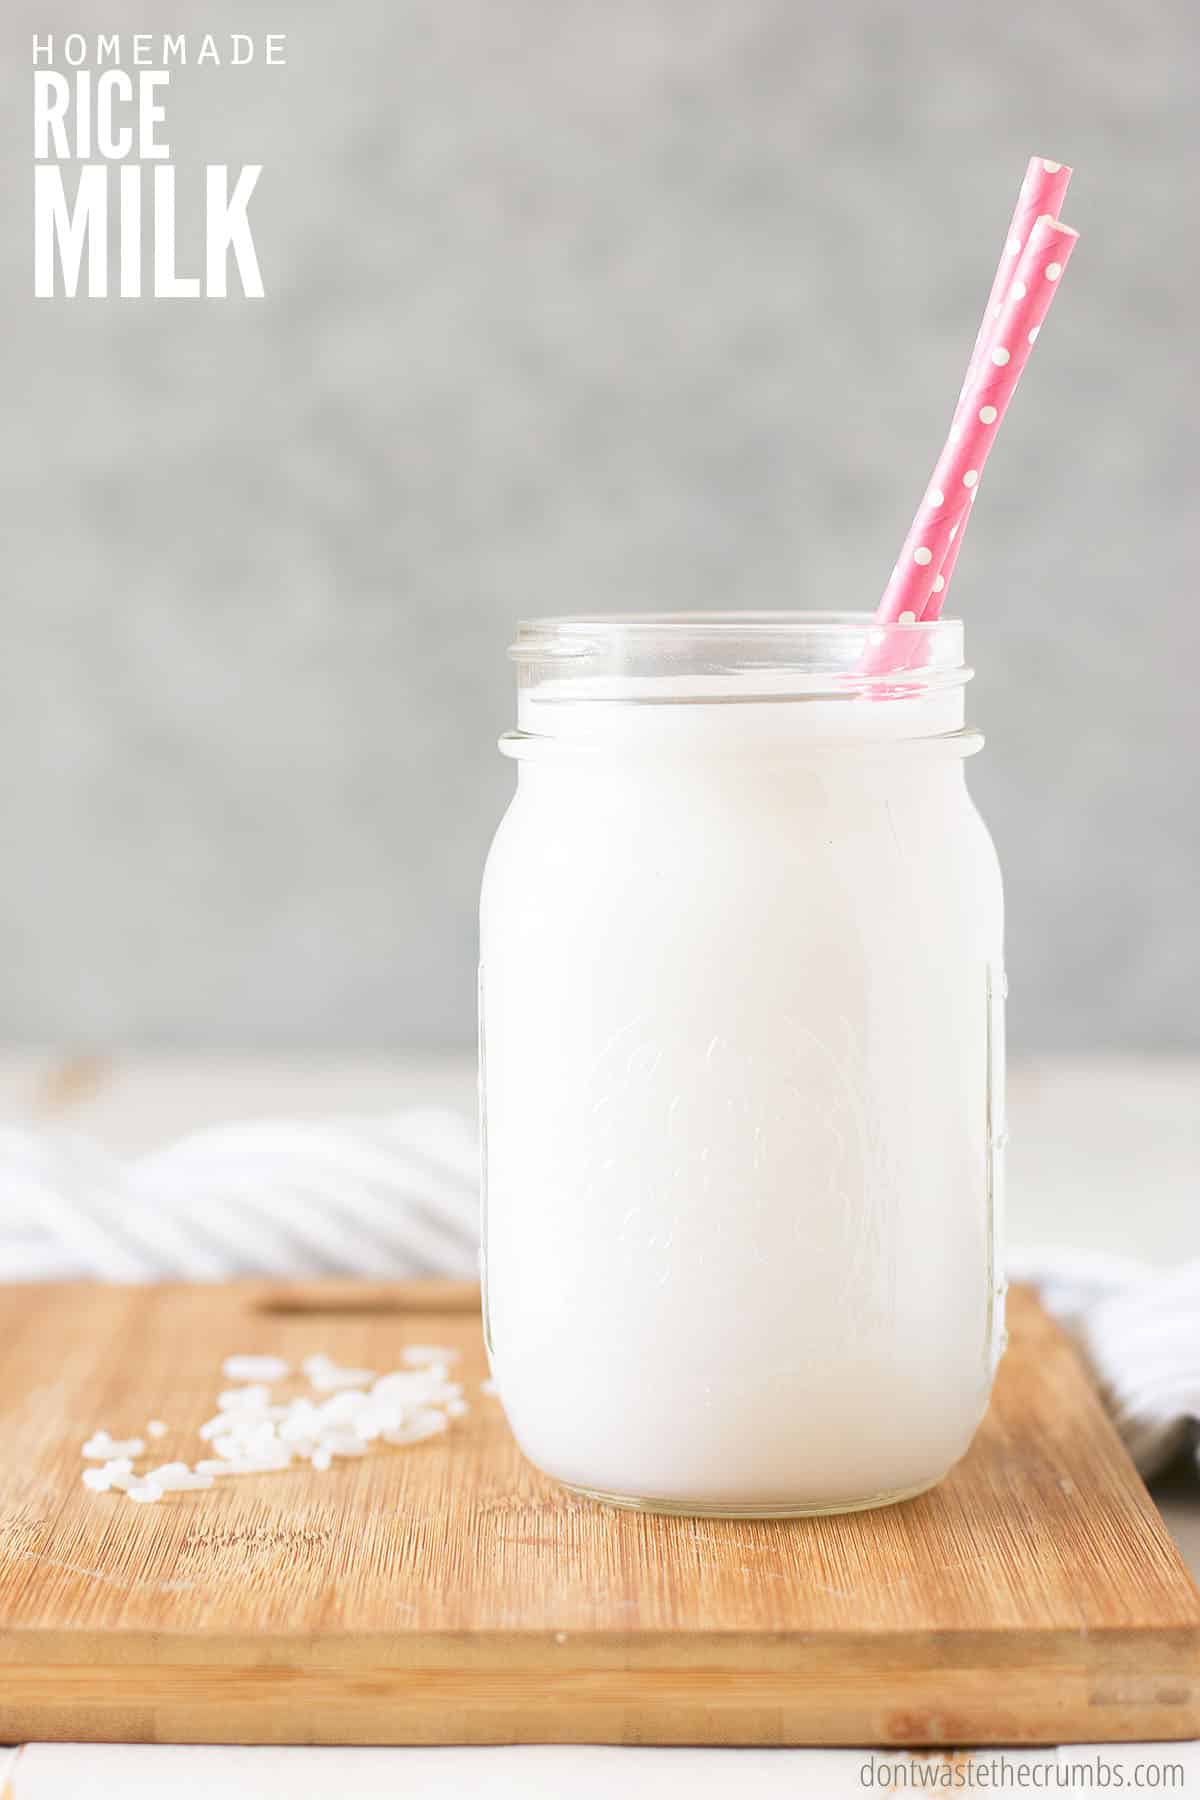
{"type": "Point", "coordinates": [741, 1026]}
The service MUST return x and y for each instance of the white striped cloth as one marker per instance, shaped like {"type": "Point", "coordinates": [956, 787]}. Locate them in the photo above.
{"type": "Point", "coordinates": [387, 1197]}
{"type": "Point", "coordinates": [1139, 1328]}
{"type": "Point", "coordinates": [399, 1196]}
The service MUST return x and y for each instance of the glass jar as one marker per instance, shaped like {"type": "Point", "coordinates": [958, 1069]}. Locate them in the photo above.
{"type": "Point", "coordinates": [741, 1000]}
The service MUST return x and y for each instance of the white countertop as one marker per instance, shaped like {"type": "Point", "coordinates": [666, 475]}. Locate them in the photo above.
{"type": "Point", "coordinates": [571, 1772]}
{"type": "Point", "coordinates": [1105, 1155]}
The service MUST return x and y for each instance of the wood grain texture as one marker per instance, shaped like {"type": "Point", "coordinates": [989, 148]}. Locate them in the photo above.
{"type": "Point", "coordinates": [448, 1593]}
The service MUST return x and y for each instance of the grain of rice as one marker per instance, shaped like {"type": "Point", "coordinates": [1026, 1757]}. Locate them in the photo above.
{"type": "Point", "coordinates": [327, 1377]}
{"type": "Point", "coordinates": [423, 1423]}
{"type": "Point", "coordinates": [255, 1368]}
{"type": "Point", "coordinates": [254, 1398]}
{"type": "Point", "coordinates": [100, 1447]}
{"type": "Point", "coordinates": [176, 1477]}
{"type": "Point", "coordinates": [116, 1474]}
{"type": "Point", "coordinates": [344, 1443]}
{"type": "Point", "coordinates": [417, 1355]}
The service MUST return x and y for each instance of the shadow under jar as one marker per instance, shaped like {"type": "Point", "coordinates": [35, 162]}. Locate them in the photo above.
{"type": "Point", "coordinates": [741, 997]}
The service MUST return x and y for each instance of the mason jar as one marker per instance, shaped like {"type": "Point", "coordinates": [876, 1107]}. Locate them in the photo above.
{"type": "Point", "coordinates": [741, 1030]}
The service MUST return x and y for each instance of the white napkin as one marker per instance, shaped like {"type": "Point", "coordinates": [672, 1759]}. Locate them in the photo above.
{"type": "Point", "coordinates": [384, 1197]}
{"type": "Point", "coordinates": [1139, 1329]}
{"type": "Point", "coordinates": [399, 1196]}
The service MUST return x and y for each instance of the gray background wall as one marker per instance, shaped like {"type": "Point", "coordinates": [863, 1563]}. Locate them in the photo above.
{"type": "Point", "coordinates": [647, 304]}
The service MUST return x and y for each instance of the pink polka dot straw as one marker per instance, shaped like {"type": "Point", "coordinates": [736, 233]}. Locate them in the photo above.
{"type": "Point", "coordinates": [1035, 254]}
{"type": "Point", "coordinates": [1040, 196]}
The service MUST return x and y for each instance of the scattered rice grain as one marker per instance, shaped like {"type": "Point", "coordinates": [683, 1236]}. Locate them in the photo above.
{"type": "Point", "coordinates": [100, 1447]}
{"type": "Point", "coordinates": [256, 1368]}
{"type": "Point", "coordinates": [252, 1435]}
{"type": "Point", "coordinates": [418, 1355]}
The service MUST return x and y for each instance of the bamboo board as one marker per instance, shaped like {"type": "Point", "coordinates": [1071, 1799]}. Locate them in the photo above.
{"type": "Point", "coordinates": [447, 1593]}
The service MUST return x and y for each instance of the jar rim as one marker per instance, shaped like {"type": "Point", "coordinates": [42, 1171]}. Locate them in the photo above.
{"type": "Point", "coordinates": [561, 633]}
{"type": "Point", "coordinates": [723, 618]}
{"type": "Point", "coordinates": [670, 656]}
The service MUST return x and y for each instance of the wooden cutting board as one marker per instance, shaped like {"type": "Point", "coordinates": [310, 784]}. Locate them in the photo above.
{"type": "Point", "coordinates": [447, 1593]}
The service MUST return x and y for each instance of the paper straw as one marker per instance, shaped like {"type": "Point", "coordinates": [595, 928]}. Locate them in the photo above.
{"type": "Point", "coordinates": [941, 581]}
{"type": "Point", "coordinates": [1041, 195]}
{"type": "Point", "coordinates": [985, 399]}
